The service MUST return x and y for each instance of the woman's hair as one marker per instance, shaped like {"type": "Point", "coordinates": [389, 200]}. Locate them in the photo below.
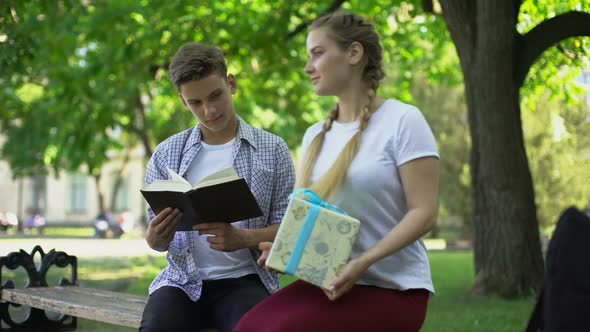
{"type": "Point", "coordinates": [344, 29]}
{"type": "Point", "coordinates": [194, 61]}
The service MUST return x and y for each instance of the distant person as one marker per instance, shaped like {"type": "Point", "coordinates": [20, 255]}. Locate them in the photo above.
{"type": "Point", "coordinates": [7, 220]}
{"type": "Point", "coordinates": [36, 221]}
{"type": "Point", "coordinates": [105, 226]}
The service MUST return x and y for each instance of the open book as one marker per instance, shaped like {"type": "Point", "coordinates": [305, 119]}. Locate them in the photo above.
{"type": "Point", "coordinates": [221, 196]}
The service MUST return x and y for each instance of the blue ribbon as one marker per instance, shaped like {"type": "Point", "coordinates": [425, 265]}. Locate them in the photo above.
{"type": "Point", "coordinates": [313, 198]}
{"type": "Point", "coordinates": [307, 227]}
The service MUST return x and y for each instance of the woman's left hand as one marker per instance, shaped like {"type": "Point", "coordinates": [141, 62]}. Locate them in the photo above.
{"type": "Point", "coordinates": [351, 272]}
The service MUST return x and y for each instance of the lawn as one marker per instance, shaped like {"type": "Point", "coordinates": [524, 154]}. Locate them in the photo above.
{"type": "Point", "coordinates": [451, 309]}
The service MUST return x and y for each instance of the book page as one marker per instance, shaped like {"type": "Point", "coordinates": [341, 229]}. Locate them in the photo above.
{"type": "Point", "coordinates": [168, 185]}
{"type": "Point", "coordinates": [176, 183]}
{"type": "Point", "coordinates": [225, 175]}
{"type": "Point", "coordinates": [176, 177]}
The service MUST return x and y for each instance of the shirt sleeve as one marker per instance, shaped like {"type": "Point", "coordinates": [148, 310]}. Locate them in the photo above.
{"type": "Point", "coordinates": [414, 139]}
{"type": "Point", "coordinates": [283, 183]}
{"type": "Point", "coordinates": [156, 169]}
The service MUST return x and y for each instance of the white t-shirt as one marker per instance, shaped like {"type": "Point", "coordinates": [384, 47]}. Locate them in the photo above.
{"type": "Point", "coordinates": [214, 264]}
{"type": "Point", "coordinates": [372, 191]}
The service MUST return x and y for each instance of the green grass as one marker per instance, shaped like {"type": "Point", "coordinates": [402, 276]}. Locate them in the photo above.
{"type": "Point", "coordinates": [63, 232]}
{"type": "Point", "coordinates": [69, 231]}
{"type": "Point", "coordinates": [451, 309]}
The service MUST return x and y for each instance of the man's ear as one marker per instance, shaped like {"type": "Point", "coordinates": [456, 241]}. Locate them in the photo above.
{"type": "Point", "coordinates": [355, 53]}
{"type": "Point", "coordinates": [233, 84]}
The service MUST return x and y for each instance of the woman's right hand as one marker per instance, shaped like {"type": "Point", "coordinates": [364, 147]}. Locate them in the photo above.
{"type": "Point", "coordinates": [161, 229]}
{"type": "Point", "coordinates": [265, 247]}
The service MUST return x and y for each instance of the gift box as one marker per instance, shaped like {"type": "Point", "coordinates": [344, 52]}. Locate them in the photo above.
{"type": "Point", "coordinates": [314, 240]}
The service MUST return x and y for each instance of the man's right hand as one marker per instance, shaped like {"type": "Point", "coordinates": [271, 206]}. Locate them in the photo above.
{"type": "Point", "coordinates": [162, 228]}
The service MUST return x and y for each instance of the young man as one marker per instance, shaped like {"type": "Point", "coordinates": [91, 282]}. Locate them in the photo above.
{"type": "Point", "coordinates": [212, 279]}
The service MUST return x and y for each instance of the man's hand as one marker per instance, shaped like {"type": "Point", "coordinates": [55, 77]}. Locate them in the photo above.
{"type": "Point", "coordinates": [224, 236]}
{"type": "Point", "coordinates": [161, 229]}
{"type": "Point", "coordinates": [350, 274]}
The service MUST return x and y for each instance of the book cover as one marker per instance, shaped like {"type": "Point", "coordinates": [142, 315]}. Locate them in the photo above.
{"type": "Point", "coordinates": [222, 196]}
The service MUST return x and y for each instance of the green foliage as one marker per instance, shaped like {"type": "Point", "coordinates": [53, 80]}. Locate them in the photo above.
{"type": "Point", "coordinates": [556, 115]}
{"type": "Point", "coordinates": [80, 78]}
{"type": "Point", "coordinates": [559, 151]}
{"type": "Point", "coordinates": [444, 109]}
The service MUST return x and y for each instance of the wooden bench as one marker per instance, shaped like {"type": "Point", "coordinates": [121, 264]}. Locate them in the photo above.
{"type": "Point", "coordinates": [67, 299]}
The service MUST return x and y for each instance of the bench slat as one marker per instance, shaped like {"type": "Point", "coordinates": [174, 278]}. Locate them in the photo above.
{"type": "Point", "coordinates": [109, 307]}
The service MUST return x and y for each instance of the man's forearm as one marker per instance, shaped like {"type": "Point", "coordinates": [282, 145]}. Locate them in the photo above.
{"type": "Point", "coordinates": [252, 237]}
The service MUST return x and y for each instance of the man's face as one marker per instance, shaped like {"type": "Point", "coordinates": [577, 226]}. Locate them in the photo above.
{"type": "Point", "coordinates": [210, 100]}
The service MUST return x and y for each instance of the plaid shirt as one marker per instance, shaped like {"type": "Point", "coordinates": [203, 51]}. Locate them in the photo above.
{"type": "Point", "coordinates": [259, 157]}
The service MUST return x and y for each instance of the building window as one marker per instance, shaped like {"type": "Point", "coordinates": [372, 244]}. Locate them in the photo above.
{"type": "Point", "coordinates": [78, 193]}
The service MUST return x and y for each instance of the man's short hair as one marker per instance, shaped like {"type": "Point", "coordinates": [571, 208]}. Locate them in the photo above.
{"type": "Point", "coordinates": [194, 61]}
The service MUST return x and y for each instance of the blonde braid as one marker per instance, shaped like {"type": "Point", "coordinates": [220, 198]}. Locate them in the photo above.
{"type": "Point", "coordinates": [345, 29]}
{"type": "Point", "coordinates": [314, 150]}
{"type": "Point", "coordinates": [327, 185]}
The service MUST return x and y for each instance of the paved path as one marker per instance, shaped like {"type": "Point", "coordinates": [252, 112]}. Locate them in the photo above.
{"type": "Point", "coordinates": [81, 247]}
{"type": "Point", "coordinates": [106, 247]}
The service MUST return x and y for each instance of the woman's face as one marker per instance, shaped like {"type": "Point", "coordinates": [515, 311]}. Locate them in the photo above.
{"type": "Point", "coordinates": [328, 66]}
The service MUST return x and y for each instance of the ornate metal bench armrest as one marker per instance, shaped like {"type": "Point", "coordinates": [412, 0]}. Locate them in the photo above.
{"type": "Point", "coordinates": [37, 278]}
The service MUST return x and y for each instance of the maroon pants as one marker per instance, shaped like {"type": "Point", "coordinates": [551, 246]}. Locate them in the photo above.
{"type": "Point", "coordinates": [304, 307]}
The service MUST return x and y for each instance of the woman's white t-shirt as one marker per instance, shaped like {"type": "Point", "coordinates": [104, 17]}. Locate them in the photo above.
{"type": "Point", "coordinates": [372, 191]}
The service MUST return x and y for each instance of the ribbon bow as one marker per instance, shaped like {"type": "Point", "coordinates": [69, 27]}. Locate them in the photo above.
{"type": "Point", "coordinates": [314, 199]}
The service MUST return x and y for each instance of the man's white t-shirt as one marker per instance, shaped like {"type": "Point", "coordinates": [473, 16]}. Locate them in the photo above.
{"type": "Point", "coordinates": [213, 264]}
{"type": "Point", "coordinates": [372, 191]}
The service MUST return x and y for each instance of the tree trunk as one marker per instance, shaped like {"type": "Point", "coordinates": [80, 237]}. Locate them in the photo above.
{"type": "Point", "coordinates": [100, 194]}
{"type": "Point", "coordinates": [119, 180]}
{"type": "Point", "coordinates": [20, 207]}
{"type": "Point", "coordinates": [508, 258]}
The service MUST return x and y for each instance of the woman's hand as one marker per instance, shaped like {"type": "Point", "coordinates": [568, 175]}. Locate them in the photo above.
{"type": "Point", "coordinates": [265, 247]}
{"type": "Point", "coordinates": [350, 274]}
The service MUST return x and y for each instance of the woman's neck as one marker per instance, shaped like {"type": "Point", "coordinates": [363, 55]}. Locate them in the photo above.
{"type": "Point", "coordinates": [351, 105]}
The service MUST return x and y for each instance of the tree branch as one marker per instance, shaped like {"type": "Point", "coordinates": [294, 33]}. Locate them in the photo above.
{"type": "Point", "coordinates": [333, 7]}
{"type": "Point", "coordinates": [547, 34]}
{"type": "Point", "coordinates": [460, 17]}
{"type": "Point", "coordinates": [428, 6]}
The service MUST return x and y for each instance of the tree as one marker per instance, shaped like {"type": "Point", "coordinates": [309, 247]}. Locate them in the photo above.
{"type": "Point", "coordinates": [495, 59]}
{"type": "Point", "coordinates": [101, 69]}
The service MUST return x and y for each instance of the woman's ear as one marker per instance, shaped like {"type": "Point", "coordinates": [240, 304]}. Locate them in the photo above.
{"type": "Point", "coordinates": [355, 53]}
